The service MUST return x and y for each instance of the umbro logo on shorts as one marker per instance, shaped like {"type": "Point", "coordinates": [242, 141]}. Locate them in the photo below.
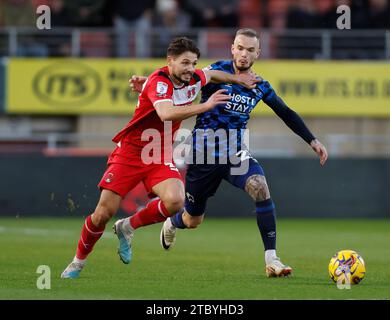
{"type": "Point", "coordinates": [190, 197]}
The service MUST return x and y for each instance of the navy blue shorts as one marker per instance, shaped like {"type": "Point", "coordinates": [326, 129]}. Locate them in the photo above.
{"type": "Point", "coordinates": [203, 180]}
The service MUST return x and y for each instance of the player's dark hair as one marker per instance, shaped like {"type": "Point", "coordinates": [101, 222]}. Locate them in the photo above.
{"type": "Point", "coordinates": [248, 33]}
{"type": "Point", "coordinates": [180, 45]}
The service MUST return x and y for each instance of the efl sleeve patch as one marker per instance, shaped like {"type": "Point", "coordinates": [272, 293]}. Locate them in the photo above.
{"type": "Point", "coordinates": [162, 88]}
{"type": "Point", "coordinates": [159, 89]}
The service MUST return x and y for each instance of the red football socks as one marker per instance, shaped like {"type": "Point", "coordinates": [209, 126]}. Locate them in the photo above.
{"type": "Point", "coordinates": [90, 234]}
{"type": "Point", "coordinates": [154, 212]}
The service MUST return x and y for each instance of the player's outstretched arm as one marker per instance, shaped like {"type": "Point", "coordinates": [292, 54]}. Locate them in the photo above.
{"type": "Point", "coordinates": [247, 80]}
{"type": "Point", "coordinates": [296, 124]}
{"type": "Point", "coordinates": [167, 111]}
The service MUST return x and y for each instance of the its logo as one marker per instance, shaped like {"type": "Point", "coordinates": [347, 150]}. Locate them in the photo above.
{"type": "Point", "coordinates": [109, 177]}
{"type": "Point", "coordinates": [67, 84]}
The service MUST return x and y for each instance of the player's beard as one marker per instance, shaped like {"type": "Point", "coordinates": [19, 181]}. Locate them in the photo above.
{"type": "Point", "coordinates": [243, 68]}
{"type": "Point", "coordinates": [181, 80]}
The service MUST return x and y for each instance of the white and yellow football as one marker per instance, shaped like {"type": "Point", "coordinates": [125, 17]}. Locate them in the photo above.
{"type": "Point", "coordinates": [347, 265]}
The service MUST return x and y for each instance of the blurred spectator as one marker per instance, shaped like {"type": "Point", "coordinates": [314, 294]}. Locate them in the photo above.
{"type": "Point", "coordinates": [359, 14]}
{"type": "Point", "coordinates": [136, 15]}
{"type": "Point", "coordinates": [217, 13]}
{"type": "Point", "coordinates": [276, 13]}
{"type": "Point", "coordinates": [87, 13]}
{"type": "Point", "coordinates": [302, 14]}
{"type": "Point", "coordinates": [227, 14]}
{"type": "Point", "coordinates": [20, 13]}
{"type": "Point", "coordinates": [17, 13]}
{"type": "Point", "coordinates": [380, 14]}
{"type": "Point", "coordinates": [37, 3]}
{"type": "Point", "coordinates": [168, 15]}
{"type": "Point", "coordinates": [346, 45]}
{"type": "Point", "coordinates": [60, 17]}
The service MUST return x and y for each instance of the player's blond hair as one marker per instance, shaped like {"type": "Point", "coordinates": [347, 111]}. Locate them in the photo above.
{"type": "Point", "coordinates": [248, 32]}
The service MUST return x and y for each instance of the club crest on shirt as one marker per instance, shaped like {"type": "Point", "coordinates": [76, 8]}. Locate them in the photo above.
{"type": "Point", "coordinates": [162, 88]}
{"type": "Point", "coordinates": [256, 91]}
{"type": "Point", "coordinates": [191, 93]}
{"type": "Point", "coordinates": [108, 178]}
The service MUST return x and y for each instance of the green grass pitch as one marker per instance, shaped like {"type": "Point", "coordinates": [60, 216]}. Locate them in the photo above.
{"type": "Point", "coordinates": [222, 259]}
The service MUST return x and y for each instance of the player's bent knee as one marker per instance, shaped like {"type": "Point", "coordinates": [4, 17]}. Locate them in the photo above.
{"type": "Point", "coordinates": [173, 203]}
{"type": "Point", "coordinates": [256, 186]}
{"type": "Point", "coordinates": [99, 219]}
{"type": "Point", "coordinates": [175, 206]}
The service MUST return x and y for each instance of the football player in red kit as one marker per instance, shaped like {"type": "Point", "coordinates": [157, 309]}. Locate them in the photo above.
{"type": "Point", "coordinates": [165, 100]}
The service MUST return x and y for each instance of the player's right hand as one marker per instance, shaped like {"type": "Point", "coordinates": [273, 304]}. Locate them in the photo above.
{"type": "Point", "coordinates": [320, 149]}
{"type": "Point", "coordinates": [248, 80]}
{"type": "Point", "coordinates": [218, 97]}
{"type": "Point", "coordinates": [136, 83]}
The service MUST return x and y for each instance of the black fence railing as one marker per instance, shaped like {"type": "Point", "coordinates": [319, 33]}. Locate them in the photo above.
{"type": "Point", "coordinates": [214, 43]}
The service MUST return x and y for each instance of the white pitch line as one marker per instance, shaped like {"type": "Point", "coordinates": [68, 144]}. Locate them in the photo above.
{"type": "Point", "coordinates": [35, 231]}
{"type": "Point", "coordinates": [44, 232]}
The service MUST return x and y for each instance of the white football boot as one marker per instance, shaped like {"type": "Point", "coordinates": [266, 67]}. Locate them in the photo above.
{"type": "Point", "coordinates": [73, 270]}
{"type": "Point", "coordinates": [277, 269]}
{"type": "Point", "coordinates": [168, 234]}
{"type": "Point", "coordinates": [125, 235]}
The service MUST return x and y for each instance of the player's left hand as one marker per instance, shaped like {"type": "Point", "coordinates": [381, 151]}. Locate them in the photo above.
{"type": "Point", "coordinates": [319, 148]}
{"type": "Point", "coordinates": [248, 80]}
{"type": "Point", "coordinates": [136, 83]}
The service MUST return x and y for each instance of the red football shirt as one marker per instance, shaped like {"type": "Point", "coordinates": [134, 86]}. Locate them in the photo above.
{"type": "Point", "coordinates": [158, 87]}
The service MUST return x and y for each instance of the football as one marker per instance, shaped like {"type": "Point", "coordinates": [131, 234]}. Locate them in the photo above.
{"type": "Point", "coordinates": [347, 266]}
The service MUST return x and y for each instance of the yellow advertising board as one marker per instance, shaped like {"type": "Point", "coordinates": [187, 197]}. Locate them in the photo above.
{"type": "Point", "coordinates": [331, 88]}
{"type": "Point", "coordinates": [100, 86]}
{"type": "Point", "coordinates": [74, 86]}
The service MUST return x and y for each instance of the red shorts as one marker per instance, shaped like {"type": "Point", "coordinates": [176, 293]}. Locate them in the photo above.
{"type": "Point", "coordinates": [123, 173]}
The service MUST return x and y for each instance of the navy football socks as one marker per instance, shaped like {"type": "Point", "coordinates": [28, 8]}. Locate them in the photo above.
{"type": "Point", "coordinates": [266, 221]}
{"type": "Point", "coordinates": [177, 220]}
